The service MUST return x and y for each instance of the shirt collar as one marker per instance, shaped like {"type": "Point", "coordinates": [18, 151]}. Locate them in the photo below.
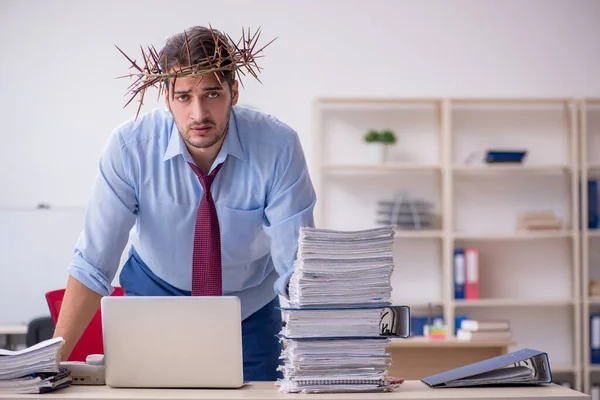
{"type": "Point", "coordinates": [231, 144]}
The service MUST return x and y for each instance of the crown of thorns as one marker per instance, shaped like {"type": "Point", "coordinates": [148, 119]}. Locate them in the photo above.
{"type": "Point", "coordinates": [228, 55]}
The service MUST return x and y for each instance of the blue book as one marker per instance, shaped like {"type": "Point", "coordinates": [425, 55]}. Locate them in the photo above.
{"type": "Point", "coordinates": [595, 338]}
{"type": "Point", "coordinates": [593, 204]}
{"type": "Point", "coordinates": [522, 367]}
{"type": "Point", "coordinates": [459, 273]}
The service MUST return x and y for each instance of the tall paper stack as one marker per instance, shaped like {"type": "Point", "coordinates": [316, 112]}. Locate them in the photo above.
{"type": "Point", "coordinates": [340, 318]}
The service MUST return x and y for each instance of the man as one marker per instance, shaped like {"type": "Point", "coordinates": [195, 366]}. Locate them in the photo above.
{"type": "Point", "coordinates": [216, 195]}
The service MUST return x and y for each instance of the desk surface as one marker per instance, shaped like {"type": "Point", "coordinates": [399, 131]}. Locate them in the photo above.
{"type": "Point", "coordinates": [267, 390]}
{"type": "Point", "coordinates": [448, 342]}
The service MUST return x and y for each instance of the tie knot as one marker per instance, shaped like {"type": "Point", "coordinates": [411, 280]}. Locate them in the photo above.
{"type": "Point", "coordinates": [206, 180]}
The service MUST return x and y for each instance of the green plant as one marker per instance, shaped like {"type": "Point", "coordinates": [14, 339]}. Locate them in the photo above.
{"type": "Point", "coordinates": [372, 136]}
{"type": "Point", "coordinates": [385, 137]}
{"type": "Point", "coordinates": [388, 137]}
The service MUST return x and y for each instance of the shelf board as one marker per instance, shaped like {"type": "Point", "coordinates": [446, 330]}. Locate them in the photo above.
{"type": "Point", "coordinates": [514, 235]}
{"type": "Point", "coordinates": [343, 169]}
{"type": "Point", "coordinates": [416, 234]}
{"type": "Point", "coordinates": [563, 368]}
{"type": "Point", "coordinates": [512, 302]}
{"type": "Point", "coordinates": [507, 168]}
{"type": "Point", "coordinates": [594, 166]}
{"type": "Point", "coordinates": [451, 342]}
{"type": "Point", "coordinates": [378, 104]}
{"type": "Point", "coordinates": [419, 304]}
{"type": "Point", "coordinates": [593, 233]}
{"type": "Point", "coordinates": [510, 168]}
{"type": "Point", "coordinates": [594, 300]}
{"type": "Point", "coordinates": [594, 368]}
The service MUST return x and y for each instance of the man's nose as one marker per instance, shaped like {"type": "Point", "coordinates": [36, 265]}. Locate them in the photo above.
{"type": "Point", "coordinates": [198, 111]}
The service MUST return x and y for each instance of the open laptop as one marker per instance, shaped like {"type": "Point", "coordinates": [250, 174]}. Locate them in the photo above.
{"type": "Point", "coordinates": [174, 342]}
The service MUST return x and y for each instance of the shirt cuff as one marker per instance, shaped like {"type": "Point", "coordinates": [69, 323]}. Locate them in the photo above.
{"type": "Point", "coordinates": [281, 284]}
{"type": "Point", "coordinates": [89, 276]}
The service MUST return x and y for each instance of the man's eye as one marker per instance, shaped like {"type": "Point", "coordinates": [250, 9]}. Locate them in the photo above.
{"type": "Point", "coordinates": [183, 97]}
{"type": "Point", "coordinates": [213, 95]}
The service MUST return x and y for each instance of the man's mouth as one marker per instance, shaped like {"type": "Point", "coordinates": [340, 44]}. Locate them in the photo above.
{"type": "Point", "coordinates": [201, 129]}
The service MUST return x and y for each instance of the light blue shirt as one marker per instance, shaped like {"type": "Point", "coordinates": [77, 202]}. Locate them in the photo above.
{"type": "Point", "coordinates": [263, 195]}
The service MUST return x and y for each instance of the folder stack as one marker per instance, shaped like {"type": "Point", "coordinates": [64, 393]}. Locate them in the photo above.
{"type": "Point", "coordinates": [340, 319]}
{"type": "Point", "coordinates": [35, 369]}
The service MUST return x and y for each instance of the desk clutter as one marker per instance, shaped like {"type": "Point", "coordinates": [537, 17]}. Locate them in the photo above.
{"type": "Point", "coordinates": [35, 369]}
{"type": "Point", "coordinates": [340, 320]}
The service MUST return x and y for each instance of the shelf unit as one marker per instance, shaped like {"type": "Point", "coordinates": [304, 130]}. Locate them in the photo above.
{"type": "Point", "coordinates": [590, 239]}
{"type": "Point", "coordinates": [436, 138]}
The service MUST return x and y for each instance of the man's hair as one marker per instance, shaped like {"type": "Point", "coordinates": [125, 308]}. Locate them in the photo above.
{"type": "Point", "coordinates": [202, 44]}
{"type": "Point", "coordinates": [196, 51]}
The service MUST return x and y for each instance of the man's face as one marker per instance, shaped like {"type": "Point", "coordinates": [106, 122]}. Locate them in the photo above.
{"type": "Point", "coordinates": [201, 108]}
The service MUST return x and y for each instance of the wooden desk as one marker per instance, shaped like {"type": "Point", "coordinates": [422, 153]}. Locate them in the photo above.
{"type": "Point", "coordinates": [418, 357]}
{"type": "Point", "coordinates": [267, 390]}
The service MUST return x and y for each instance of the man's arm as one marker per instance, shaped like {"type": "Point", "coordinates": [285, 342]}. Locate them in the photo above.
{"type": "Point", "coordinates": [79, 305]}
{"type": "Point", "coordinates": [290, 205]}
{"type": "Point", "coordinates": [109, 217]}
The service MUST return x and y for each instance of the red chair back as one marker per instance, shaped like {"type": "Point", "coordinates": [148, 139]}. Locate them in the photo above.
{"type": "Point", "coordinates": [91, 340]}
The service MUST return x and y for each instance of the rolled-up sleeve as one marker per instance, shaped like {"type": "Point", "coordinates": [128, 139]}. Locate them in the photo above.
{"type": "Point", "coordinates": [290, 205]}
{"type": "Point", "coordinates": [110, 214]}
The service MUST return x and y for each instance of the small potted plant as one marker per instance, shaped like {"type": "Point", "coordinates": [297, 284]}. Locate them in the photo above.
{"type": "Point", "coordinates": [379, 141]}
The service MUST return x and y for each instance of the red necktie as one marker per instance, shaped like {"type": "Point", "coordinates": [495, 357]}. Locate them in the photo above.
{"type": "Point", "coordinates": [206, 259]}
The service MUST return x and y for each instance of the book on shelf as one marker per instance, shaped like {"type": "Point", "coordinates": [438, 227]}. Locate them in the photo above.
{"type": "Point", "coordinates": [341, 319]}
{"type": "Point", "coordinates": [485, 325]}
{"type": "Point", "coordinates": [459, 274]}
{"type": "Point", "coordinates": [593, 217]}
{"type": "Point", "coordinates": [595, 338]}
{"type": "Point", "coordinates": [538, 221]}
{"type": "Point", "coordinates": [35, 369]}
{"type": "Point", "coordinates": [484, 330]}
{"type": "Point", "coordinates": [466, 273]}
{"type": "Point", "coordinates": [464, 334]}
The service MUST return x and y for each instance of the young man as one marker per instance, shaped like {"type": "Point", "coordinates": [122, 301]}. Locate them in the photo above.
{"type": "Point", "coordinates": [216, 195]}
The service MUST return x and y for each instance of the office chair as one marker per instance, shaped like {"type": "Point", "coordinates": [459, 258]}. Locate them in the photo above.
{"type": "Point", "coordinates": [91, 340]}
{"type": "Point", "coordinates": [38, 330]}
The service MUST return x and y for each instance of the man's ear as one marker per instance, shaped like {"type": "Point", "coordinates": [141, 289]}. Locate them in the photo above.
{"type": "Point", "coordinates": [235, 93]}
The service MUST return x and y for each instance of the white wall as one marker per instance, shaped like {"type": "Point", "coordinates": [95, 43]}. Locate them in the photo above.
{"type": "Point", "coordinates": [60, 98]}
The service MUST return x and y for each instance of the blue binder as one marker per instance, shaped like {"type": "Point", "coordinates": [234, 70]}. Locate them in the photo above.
{"type": "Point", "coordinates": [593, 204]}
{"type": "Point", "coordinates": [459, 273]}
{"type": "Point", "coordinates": [394, 321]}
{"type": "Point", "coordinates": [522, 367]}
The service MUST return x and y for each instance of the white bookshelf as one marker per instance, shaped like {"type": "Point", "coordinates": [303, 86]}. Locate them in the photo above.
{"type": "Point", "coordinates": [531, 278]}
{"type": "Point", "coordinates": [590, 239]}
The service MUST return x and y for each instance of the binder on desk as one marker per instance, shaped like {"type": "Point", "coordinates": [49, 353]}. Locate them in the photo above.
{"type": "Point", "coordinates": [521, 367]}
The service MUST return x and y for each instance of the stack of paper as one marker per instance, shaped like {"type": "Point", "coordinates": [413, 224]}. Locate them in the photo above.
{"type": "Point", "coordinates": [340, 321]}
{"type": "Point", "coordinates": [35, 369]}
{"type": "Point", "coordinates": [338, 267]}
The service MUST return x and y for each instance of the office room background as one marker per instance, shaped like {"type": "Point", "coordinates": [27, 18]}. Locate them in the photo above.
{"type": "Point", "coordinates": [450, 79]}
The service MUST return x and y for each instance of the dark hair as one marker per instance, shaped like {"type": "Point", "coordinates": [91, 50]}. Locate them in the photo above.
{"type": "Point", "coordinates": [201, 43]}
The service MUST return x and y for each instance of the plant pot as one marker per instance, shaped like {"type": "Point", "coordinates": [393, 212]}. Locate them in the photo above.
{"type": "Point", "coordinates": [377, 153]}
